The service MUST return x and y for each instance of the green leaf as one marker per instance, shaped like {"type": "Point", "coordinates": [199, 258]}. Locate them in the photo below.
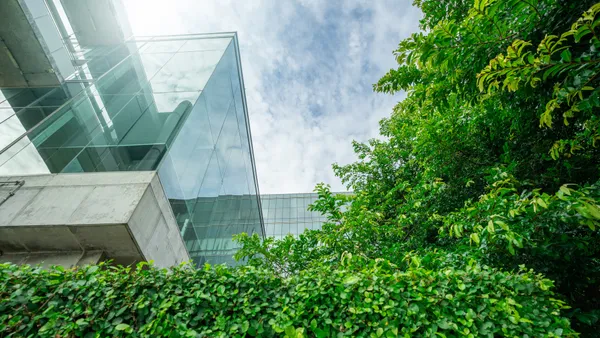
{"type": "Point", "coordinates": [470, 314]}
{"type": "Point", "coordinates": [379, 332]}
{"type": "Point", "coordinates": [593, 210]}
{"type": "Point", "coordinates": [320, 333]}
{"type": "Point", "coordinates": [351, 280]}
{"type": "Point", "coordinates": [566, 55]}
{"type": "Point", "coordinates": [503, 225]}
{"type": "Point", "coordinates": [46, 327]}
{"type": "Point", "coordinates": [443, 324]}
{"type": "Point", "coordinates": [92, 269]}
{"type": "Point", "coordinates": [122, 327]}
{"type": "Point", "coordinates": [245, 326]}
{"type": "Point", "coordinates": [581, 32]}
{"type": "Point", "coordinates": [490, 227]}
{"type": "Point", "coordinates": [542, 203]}
{"type": "Point", "coordinates": [456, 230]}
{"type": "Point", "coordinates": [565, 190]}
{"type": "Point", "coordinates": [290, 331]}
{"type": "Point", "coordinates": [511, 249]}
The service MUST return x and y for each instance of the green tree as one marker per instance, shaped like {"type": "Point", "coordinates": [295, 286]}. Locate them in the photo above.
{"type": "Point", "coordinates": [493, 155]}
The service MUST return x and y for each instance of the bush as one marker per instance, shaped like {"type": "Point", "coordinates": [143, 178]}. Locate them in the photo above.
{"type": "Point", "coordinates": [362, 298]}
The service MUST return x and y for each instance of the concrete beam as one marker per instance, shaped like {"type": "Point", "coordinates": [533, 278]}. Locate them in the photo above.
{"type": "Point", "coordinates": [23, 59]}
{"type": "Point", "coordinates": [125, 215]}
{"type": "Point", "coordinates": [32, 52]}
{"type": "Point", "coordinates": [47, 259]}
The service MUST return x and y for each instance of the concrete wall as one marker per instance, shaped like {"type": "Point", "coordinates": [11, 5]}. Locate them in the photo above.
{"type": "Point", "coordinates": [32, 53]}
{"type": "Point", "coordinates": [23, 58]}
{"type": "Point", "coordinates": [123, 216]}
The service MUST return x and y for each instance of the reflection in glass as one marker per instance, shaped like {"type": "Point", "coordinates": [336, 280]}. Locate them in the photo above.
{"type": "Point", "coordinates": [214, 44]}
{"type": "Point", "coordinates": [288, 214]}
{"type": "Point", "coordinates": [175, 106]}
{"type": "Point", "coordinates": [162, 47]}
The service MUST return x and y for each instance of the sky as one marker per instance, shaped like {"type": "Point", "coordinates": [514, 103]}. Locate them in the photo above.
{"type": "Point", "coordinates": [309, 67]}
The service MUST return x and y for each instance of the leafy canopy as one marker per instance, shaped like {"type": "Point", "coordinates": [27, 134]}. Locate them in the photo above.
{"type": "Point", "coordinates": [493, 155]}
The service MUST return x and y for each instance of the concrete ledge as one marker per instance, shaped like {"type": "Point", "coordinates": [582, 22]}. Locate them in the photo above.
{"type": "Point", "coordinates": [125, 215]}
{"type": "Point", "coordinates": [47, 259]}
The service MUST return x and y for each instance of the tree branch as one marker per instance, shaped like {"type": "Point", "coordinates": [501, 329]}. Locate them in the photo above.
{"type": "Point", "coordinates": [534, 8]}
{"type": "Point", "coordinates": [477, 44]}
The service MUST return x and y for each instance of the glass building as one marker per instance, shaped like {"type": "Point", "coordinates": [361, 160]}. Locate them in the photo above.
{"type": "Point", "coordinates": [288, 214]}
{"type": "Point", "coordinates": [171, 104]}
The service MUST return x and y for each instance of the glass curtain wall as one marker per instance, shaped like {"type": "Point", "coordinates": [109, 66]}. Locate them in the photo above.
{"type": "Point", "coordinates": [173, 104]}
{"type": "Point", "coordinates": [209, 173]}
{"type": "Point", "coordinates": [288, 214]}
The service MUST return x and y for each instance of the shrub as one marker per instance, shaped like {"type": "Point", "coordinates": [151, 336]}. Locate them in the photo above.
{"type": "Point", "coordinates": [360, 298]}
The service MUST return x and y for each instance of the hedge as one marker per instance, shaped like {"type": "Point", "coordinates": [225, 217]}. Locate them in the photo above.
{"type": "Point", "coordinates": [375, 300]}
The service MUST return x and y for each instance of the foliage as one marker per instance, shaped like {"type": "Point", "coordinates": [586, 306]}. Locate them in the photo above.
{"type": "Point", "coordinates": [555, 234]}
{"type": "Point", "coordinates": [284, 257]}
{"type": "Point", "coordinates": [557, 57]}
{"type": "Point", "coordinates": [493, 155]}
{"type": "Point", "coordinates": [360, 298]}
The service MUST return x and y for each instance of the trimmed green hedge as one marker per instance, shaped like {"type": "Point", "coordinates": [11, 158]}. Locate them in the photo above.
{"type": "Point", "coordinates": [373, 300]}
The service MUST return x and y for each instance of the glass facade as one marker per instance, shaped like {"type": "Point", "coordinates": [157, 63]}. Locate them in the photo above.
{"type": "Point", "coordinates": [288, 214]}
{"type": "Point", "coordinates": [172, 104]}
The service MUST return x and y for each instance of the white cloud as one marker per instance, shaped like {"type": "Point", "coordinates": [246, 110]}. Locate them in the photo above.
{"type": "Point", "coordinates": [308, 66]}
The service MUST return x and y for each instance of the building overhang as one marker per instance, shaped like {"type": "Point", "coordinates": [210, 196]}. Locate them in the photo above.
{"type": "Point", "coordinates": [70, 219]}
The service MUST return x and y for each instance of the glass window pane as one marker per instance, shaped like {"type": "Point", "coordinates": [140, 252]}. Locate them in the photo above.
{"type": "Point", "coordinates": [186, 72]}
{"type": "Point", "coordinates": [162, 46]}
{"type": "Point", "coordinates": [22, 97]}
{"type": "Point", "coordinates": [6, 94]}
{"type": "Point", "coordinates": [152, 63]}
{"type": "Point", "coordinates": [217, 44]}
